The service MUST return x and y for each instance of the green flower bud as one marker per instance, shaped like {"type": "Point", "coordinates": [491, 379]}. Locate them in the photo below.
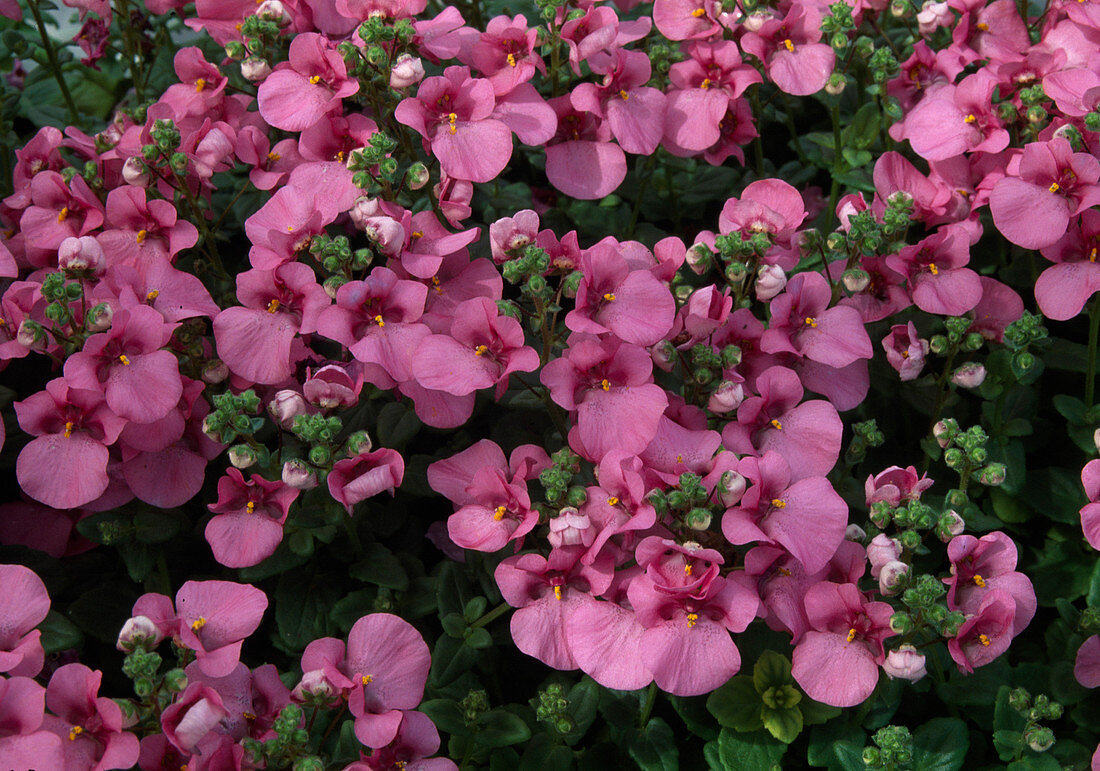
{"type": "Point", "coordinates": [698, 519]}
{"type": "Point", "coordinates": [577, 496]}
{"type": "Point", "coordinates": [320, 455]}
{"type": "Point", "coordinates": [358, 443]}
{"type": "Point", "coordinates": [993, 475]}
{"type": "Point", "coordinates": [901, 623]}
{"type": "Point", "coordinates": [235, 50]}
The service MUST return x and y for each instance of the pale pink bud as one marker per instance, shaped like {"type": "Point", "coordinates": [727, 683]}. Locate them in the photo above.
{"type": "Point", "coordinates": [890, 575]}
{"type": "Point", "coordinates": [298, 475]}
{"type": "Point", "coordinates": [571, 528]}
{"type": "Point", "coordinates": [663, 355]}
{"type": "Point", "coordinates": [933, 15]}
{"type": "Point", "coordinates": [969, 375]}
{"type": "Point", "coordinates": [242, 456]}
{"type": "Point", "coordinates": [1096, 438]}
{"type": "Point", "coordinates": [731, 486]}
{"type": "Point", "coordinates": [955, 528]}
{"type": "Point", "coordinates": [854, 533]}
{"type": "Point", "coordinates": [135, 172]}
{"type": "Point", "coordinates": [139, 631]}
{"type": "Point", "coordinates": [881, 550]}
{"type": "Point", "coordinates": [698, 258]}
{"type": "Point", "coordinates": [754, 21]}
{"type": "Point", "coordinates": [98, 319]}
{"type": "Point", "coordinates": [386, 233]}
{"type": "Point", "coordinates": [906, 663]}
{"type": "Point", "coordinates": [215, 372]}
{"type": "Point", "coordinates": [363, 209]}
{"type": "Point", "coordinates": [769, 282]}
{"type": "Point", "coordinates": [285, 406]}
{"type": "Point", "coordinates": [940, 432]}
{"type": "Point", "coordinates": [726, 398]}
{"type": "Point", "coordinates": [314, 687]}
{"type": "Point", "coordinates": [856, 280]}
{"type": "Point", "coordinates": [30, 335]}
{"type": "Point", "coordinates": [255, 69]}
{"type": "Point", "coordinates": [81, 255]}
{"type": "Point", "coordinates": [407, 70]}
{"type": "Point", "coordinates": [272, 10]}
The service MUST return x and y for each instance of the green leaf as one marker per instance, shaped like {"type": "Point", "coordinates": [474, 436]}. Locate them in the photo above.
{"type": "Point", "coordinates": [158, 525]}
{"type": "Point", "coordinates": [693, 711]}
{"type": "Point", "coordinates": [379, 566]}
{"type": "Point", "coordinates": [101, 611]}
{"type": "Point", "coordinates": [59, 634]}
{"type": "Point", "coordinates": [353, 607]}
{"type": "Point", "coordinates": [500, 728]}
{"type": "Point", "coordinates": [1070, 408]}
{"type": "Point", "coordinates": [1008, 743]}
{"type": "Point", "coordinates": [1057, 572]}
{"type": "Point", "coordinates": [584, 697]}
{"type": "Point", "coordinates": [1036, 763]}
{"type": "Point", "coordinates": [770, 670]}
{"type": "Point", "coordinates": [814, 712]}
{"type": "Point", "coordinates": [749, 752]}
{"type": "Point", "coordinates": [479, 639]}
{"type": "Point", "coordinates": [834, 744]}
{"type": "Point", "coordinates": [1008, 508]}
{"type": "Point", "coordinates": [736, 704]}
{"type": "Point", "coordinates": [543, 754]}
{"type": "Point", "coordinates": [1057, 494]}
{"type": "Point", "coordinates": [450, 658]}
{"type": "Point", "coordinates": [654, 749]}
{"type": "Point", "coordinates": [862, 130]}
{"type": "Point", "coordinates": [940, 745]}
{"type": "Point", "coordinates": [856, 158]}
{"type": "Point", "coordinates": [138, 559]}
{"type": "Point", "coordinates": [397, 424]}
{"type": "Point", "coordinates": [784, 724]}
{"type": "Point", "coordinates": [446, 714]}
{"type": "Point", "coordinates": [302, 606]}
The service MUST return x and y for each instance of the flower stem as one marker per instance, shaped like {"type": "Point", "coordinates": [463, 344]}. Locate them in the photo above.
{"type": "Point", "coordinates": [491, 615]}
{"type": "Point", "coordinates": [1090, 374]}
{"type": "Point", "coordinates": [55, 66]}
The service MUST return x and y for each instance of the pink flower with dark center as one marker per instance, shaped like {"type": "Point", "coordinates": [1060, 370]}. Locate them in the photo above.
{"type": "Point", "coordinates": [57, 211]}
{"type": "Point", "coordinates": [896, 486]}
{"type": "Point", "coordinates": [24, 604]}
{"type": "Point", "coordinates": [270, 164]}
{"type": "Point", "coordinates": [22, 744]}
{"type": "Point", "coordinates": [982, 566]}
{"type": "Point", "coordinates": [416, 738]}
{"type": "Point", "coordinates": [618, 506]}
{"type": "Point", "coordinates": [355, 479]}
{"type": "Point", "coordinates": [505, 53]}
{"type": "Point", "coordinates": [250, 517]}
{"type": "Point", "coordinates": [313, 82]}
{"type": "Point", "coordinates": [706, 85]}
{"type": "Point", "coordinates": [768, 206]}
{"type": "Point", "coordinates": [803, 324]}
{"type": "Point", "coordinates": [954, 120]}
{"type": "Point", "coordinates": [581, 160]}
{"type": "Point", "coordinates": [986, 634]}
{"type": "Point", "coordinates": [598, 30]}
{"type": "Point", "coordinates": [635, 113]}
{"type": "Point", "coordinates": [201, 87]}
{"type": "Point", "coordinates": [214, 618]}
{"type": "Point", "coordinates": [143, 232]}
{"type": "Point", "coordinates": [691, 19]}
{"type": "Point", "coordinates": [793, 58]}
{"type": "Point", "coordinates": [91, 723]}
{"type": "Point", "coordinates": [905, 351]}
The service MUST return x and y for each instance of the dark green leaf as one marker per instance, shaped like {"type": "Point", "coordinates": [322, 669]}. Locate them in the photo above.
{"type": "Point", "coordinates": [749, 752]}
{"type": "Point", "coordinates": [784, 724]}
{"type": "Point", "coordinates": [380, 566]}
{"type": "Point", "coordinates": [446, 714]}
{"type": "Point", "coordinates": [654, 749]}
{"type": "Point", "coordinates": [302, 606]}
{"type": "Point", "coordinates": [693, 711]}
{"type": "Point", "coordinates": [940, 745]}
{"type": "Point", "coordinates": [1008, 743]}
{"type": "Point", "coordinates": [500, 728]}
{"type": "Point", "coordinates": [138, 559]}
{"type": "Point", "coordinates": [771, 669]}
{"type": "Point", "coordinates": [834, 744]}
{"type": "Point", "coordinates": [814, 712]}
{"type": "Point", "coordinates": [59, 633]}
{"type": "Point", "coordinates": [543, 754]}
{"type": "Point", "coordinates": [1036, 763]}
{"type": "Point", "coordinates": [397, 424]}
{"type": "Point", "coordinates": [736, 704]}
{"type": "Point", "coordinates": [101, 611]}
{"type": "Point", "coordinates": [450, 658]}
{"type": "Point", "coordinates": [1008, 508]}
{"type": "Point", "coordinates": [479, 639]}
{"type": "Point", "coordinates": [583, 700]}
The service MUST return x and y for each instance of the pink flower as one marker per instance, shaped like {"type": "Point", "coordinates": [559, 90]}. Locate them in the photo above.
{"type": "Point", "coordinates": [793, 57]}
{"type": "Point", "coordinates": [905, 663]}
{"type": "Point", "coordinates": [24, 604]}
{"type": "Point", "coordinates": [1086, 668]}
{"type": "Point", "coordinates": [983, 566]}
{"type": "Point", "coordinates": [214, 618]}
{"type": "Point", "coordinates": [91, 723]}
{"type": "Point", "coordinates": [355, 479]}
{"type": "Point", "coordinates": [896, 486]}
{"type": "Point", "coordinates": [635, 113]}
{"type": "Point", "coordinates": [250, 517]}
{"type": "Point", "coordinates": [905, 351]}
{"type": "Point", "coordinates": [193, 715]}
{"type": "Point", "coordinates": [986, 634]}
{"type": "Point", "coordinates": [581, 160]}
{"type": "Point", "coordinates": [22, 744]}
{"type": "Point", "coordinates": [313, 82]}
{"type": "Point", "coordinates": [1090, 512]}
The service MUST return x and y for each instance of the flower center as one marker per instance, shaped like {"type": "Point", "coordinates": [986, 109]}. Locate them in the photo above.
{"type": "Point", "coordinates": [612, 501]}
{"type": "Point", "coordinates": [140, 237]}
{"type": "Point", "coordinates": [779, 503]}
{"type": "Point", "coordinates": [983, 640]}
{"type": "Point", "coordinates": [776, 424]}
{"type": "Point", "coordinates": [932, 267]}
{"type": "Point", "coordinates": [74, 732]}
{"type": "Point", "coordinates": [61, 215]}
{"type": "Point", "coordinates": [511, 60]}
{"type": "Point", "coordinates": [623, 94]}
{"type": "Point", "coordinates": [200, 84]}
{"type": "Point", "coordinates": [378, 320]}
{"type": "Point", "coordinates": [273, 305]}
{"type": "Point", "coordinates": [687, 569]}
{"type": "Point", "coordinates": [557, 592]}
{"type": "Point", "coordinates": [609, 296]}
{"type": "Point", "coordinates": [250, 506]}
{"type": "Point", "coordinates": [851, 634]}
{"type": "Point", "coordinates": [699, 12]}
{"type": "Point", "coordinates": [451, 118]}
{"type": "Point", "coordinates": [788, 45]}
{"type": "Point", "coordinates": [153, 294]}
{"type": "Point", "coordinates": [706, 83]}
{"type": "Point", "coordinates": [366, 679]}
{"type": "Point", "coordinates": [272, 157]}
{"type": "Point", "coordinates": [970, 119]}
{"type": "Point", "coordinates": [499, 513]}
{"type": "Point", "coordinates": [198, 624]}
{"type": "Point", "coordinates": [125, 361]}
{"type": "Point", "coordinates": [315, 79]}
{"type": "Point", "coordinates": [68, 428]}
{"type": "Point", "coordinates": [692, 619]}
{"type": "Point", "coordinates": [1054, 187]}
{"type": "Point", "coordinates": [811, 322]}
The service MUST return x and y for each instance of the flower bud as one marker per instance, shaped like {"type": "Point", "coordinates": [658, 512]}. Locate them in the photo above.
{"type": "Point", "coordinates": [30, 335]}
{"type": "Point", "coordinates": [135, 172]}
{"type": "Point", "coordinates": [242, 456]}
{"type": "Point", "coordinates": [175, 680]}
{"type": "Point", "coordinates": [901, 623]}
{"type": "Point", "coordinates": [969, 375]}
{"type": "Point", "coordinates": [272, 10]}
{"type": "Point", "coordinates": [297, 474]}
{"type": "Point", "coordinates": [285, 406]}
{"type": "Point", "coordinates": [417, 176]}
{"type": "Point", "coordinates": [905, 663]}
{"type": "Point", "coordinates": [856, 280]}
{"type": "Point", "coordinates": [731, 486]}
{"type": "Point", "coordinates": [943, 434]}
{"type": "Point", "coordinates": [1039, 738]}
{"type": "Point", "coordinates": [315, 687]}
{"type": "Point", "coordinates": [407, 70]}
{"type": "Point", "coordinates": [571, 528]}
{"type": "Point", "coordinates": [138, 632]}
{"type": "Point", "coordinates": [359, 443]}
{"type": "Point", "coordinates": [854, 533]}
{"type": "Point", "coordinates": [992, 475]}
{"type": "Point", "coordinates": [332, 285]}
{"type": "Point", "coordinates": [891, 575]}
{"type": "Point", "coordinates": [950, 525]}
{"type": "Point", "coordinates": [255, 69]}
{"type": "Point", "coordinates": [836, 83]}
{"type": "Point", "coordinates": [880, 551]}
{"type": "Point", "coordinates": [82, 256]}
{"type": "Point", "coordinates": [387, 234]}
{"type": "Point", "coordinates": [663, 355]}
{"type": "Point", "coordinates": [726, 398]}
{"type": "Point", "coordinates": [699, 258]}
{"type": "Point", "coordinates": [214, 371]}
{"type": "Point", "coordinates": [770, 281]}
{"type": "Point", "coordinates": [698, 519]}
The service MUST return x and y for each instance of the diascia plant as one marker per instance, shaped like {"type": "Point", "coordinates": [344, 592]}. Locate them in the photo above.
{"type": "Point", "coordinates": [393, 384]}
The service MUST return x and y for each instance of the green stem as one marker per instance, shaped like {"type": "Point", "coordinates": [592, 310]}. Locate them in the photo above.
{"type": "Point", "coordinates": [133, 52]}
{"type": "Point", "coordinates": [757, 144]}
{"type": "Point", "coordinates": [55, 66]}
{"type": "Point", "coordinates": [491, 615]}
{"type": "Point", "coordinates": [643, 185]}
{"type": "Point", "coordinates": [788, 106]}
{"type": "Point", "coordinates": [647, 708]}
{"type": "Point", "coordinates": [838, 158]}
{"type": "Point", "coordinates": [1090, 375]}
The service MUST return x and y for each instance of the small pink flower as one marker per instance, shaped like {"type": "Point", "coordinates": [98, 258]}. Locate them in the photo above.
{"type": "Point", "coordinates": [905, 351]}
{"type": "Point", "coordinates": [905, 663]}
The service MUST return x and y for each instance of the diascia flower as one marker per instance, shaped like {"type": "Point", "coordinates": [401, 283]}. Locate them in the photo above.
{"type": "Point", "coordinates": [250, 516]}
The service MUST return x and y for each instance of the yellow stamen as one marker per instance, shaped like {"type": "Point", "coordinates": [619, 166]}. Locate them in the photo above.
{"type": "Point", "coordinates": [435, 285]}
{"type": "Point", "coordinates": [238, 27]}
{"type": "Point", "coordinates": [679, 458]}
{"type": "Point", "coordinates": [378, 320]}
{"type": "Point", "coordinates": [122, 357]}
{"type": "Point", "coordinates": [692, 618]}
{"type": "Point", "coordinates": [1092, 254]}
{"type": "Point", "coordinates": [623, 94]}
{"type": "Point", "coordinates": [905, 354]}
{"type": "Point", "coordinates": [198, 624]}
{"type": "Point", "coordinates": [417, 234]}
{"type": "Point", "coordinates": [784, 572]}
{"type": "Point", "coordinates": [779, 503]}
{"type": "Point", "coordinates": [500, 512]}
{"type": "Point", "coordinates": [451, 118]}
{"type": "Point", "coordinates": [932, 267]}
{"type": "Point", "coordinates": [340, 156]}
{"type": "Point", "coordinates": [705, 83]}
{"type": "Point", "coordinates": [250, 507]}
{"type": "Point", "coordinates": [687, 569]}
{"type": "Point", "coordinates": [68, 428]}
{"type": "Point", "coordinates": [272, 157]}
{"type": "Point", "coordinates": [153, 294]}
{"type": "Point", "coordinates": [140, 237]}
{"type": "Point", "coordinates": [481, 350]}
{"type": "Point", "coordinates": [400, 765]}
{"type": "Point", "coordinates": [983, 639]}
{"type": "Point", "coordinates": [289, 228]}
{"type": "Point", "coordinates": [811, 322]}
{"type": "Point", "coordinates": [699, 12]}
{"type": "Point", "coordinates": [788, 45]}
{"type": "Point", "coordinates": [557, 592]}
{"type": "Point", "coordinates": [609, 296]}
{"type": "Point", "coordinates": [982, 26]}
{"type": "Point", "coordinates": [248, 715]}
{"type": "Point", "coordinates": [776, 424]}
{"type": "Point", "coordinates": [366, 679]}
{"type": "Point", "coordinates": [970, 119]}
{"type": "Point", "coordinates": [979, 581]}
{"type": "Point", "coordinates": [273, 305]}
{"type": "Point", "coordinates": [61, 215]}
{"type": "Point", "coordinates": [200, 84]}
{"type": "Point", "coordinates": [1054, 187]}
{"type": "Point", "coordinates": [612, 501]}
{"type": "Point", "coordinates": [511, 60]}
{"type": "Point", "coordinates": [851, 634]}
{"type": "Point", "coordinates": [605, 384]}
{"type": "Point", "coordinates": [315, 79]}
{"type": "Point", "coordinates": [74, 732]}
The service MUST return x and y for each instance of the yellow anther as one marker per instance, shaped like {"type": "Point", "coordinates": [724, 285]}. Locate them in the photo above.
{"type": "Point", "coordinates": [272, 157]}
{"type": "Point", "coordinates": [605, 384]}
{"type": "Point", "coordinates": [932, 267]}
{"type": "Point", "coordinates": [451, 118]}
{"type": "Point", "coordinates": [687, 569]}
{"type": "Point", "coordinates": [200, 84]}
{"type": "Point", "coordinates": [983, 639]}
{"type": "Point", "coordinates": [68, 428]}
{"type": "Point", "coordinates": [784, 572]}
{"type": "Point", "coordinates": [851, 634]}
{"type": "Point", "coordinates": [776, 424]}
{"type": "Point", "coordinates": [140, 237]}
{"type": "Point", "coordinates": [248, 715]}
{"type": "Point", "coordinates": [152, 295]}
{"type": "Point", "coordinates": [123, 358]}
{"type": "Point", "coordinates": [435, 285]}
{"type": "Point", "coordinates": [982, 26]}
{"type": "Point", "coordinates": [609, 296]}
{"type": "Point", "coordinates": [979, 581]}
{"type": "Point", "coordinates": [499, 513]}
{"type": "Point", "coordinates": [250, 507]}
{"type": "Point", "coordinates": [705, 84]}
{"type": "Point", "coordinates": [623, 94]}
{"type": "Point", "coordinates": [61, 215]}
{"type": "Point", "coordinates": [315, 79]}
{"type": "Point", "coordinates": [699, 12]}
{"type": "Point", "coordinates": [340, 156]}
{"type": "Point", "coordinates": [481, 350]}
{"type": "Point", "coordinates": [557, 592]}
{"type": "Point", "coordinates": [679, 458]}
{"type": "Point", "coordinates": [779, 503]}
{"type": "Point", "coordinates": [511, 60]}
{"type": "Point", "coordinates": [692, 618]}
{"type": "Point", "coordinates": [400, 765]}
{"type": "Point", "coordinates": [366, 679]}
{"type": "Point", "coordinates": [378, 320]}
{"type": "Point", "coordinates": [970, 119]}
{"type": "Point", "coordinates": [788, 45]}
{"type": "Point", "coordinates": [905, 354]}
{"type": "Point", "coordinates": [273, 305]}
{"type": "Point", "coordinates": [811, 322]}
{"type": "Point", "coordinates": [198, 624]}
{"type": "Point", "coordinates": [74, 732]}
{"type": "Point", "coordinates": [612, 501]}
{"type": "Point", "coordinates": [238, 27]}
{"type": "Point", "coordinates": [1092, 254]}
{"type": "Point", "coordinates": [289, 228]}
{"type": "Point", "coordinates": [418, 234]}
{"type": "Point", "coordinates": [1054, 187]}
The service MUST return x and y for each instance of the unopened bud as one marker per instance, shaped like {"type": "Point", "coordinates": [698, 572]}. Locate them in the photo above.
{"type": "Point", "coordinates": [359, 443]}
{"type": "Point", "coordinates": [856, 280]}
{"type": "Point", "coordinates": [950, 525]}
{"type": "Point", "coordinates": [969, 375]}
{"type": "Point", "coordinates": [770, 281]}
{"type": "Point", "coordinates": [417, 176]}
{"type": "Point", "coordinates": [663, 355]}
{"type": "Point", "coordinates": [138, 632]}
{"type": "Point", "coordinates": [135, 172]}
{"type": "Point", "coordinates": [571, 528]}
{"type": "Point", "coordinates": [836, 83]}
{"type": "Point", "coordinates": [882, 550]}
{"type": "Point", "coordinates": [855, 533]}
{"type": "Point", "coordinates": [214, 371]}
{"type": "Point", "coordinates": [81, 256]}
{"type": "Point", "coordinates": [31, 335]}
{"type": "Point", "coordinates": [726, 397]}
{"type": "Point", "coordinates": [175, 680]}
{"type": "Point", "coordinates": [285, 406]}
{"type": "Point", "coordinates": [943, 434]}
{"type": "Point", "coordinates": [891, 576]}
{"type": "Point", "coordinates": [992, 475]}
{"type": "Point", "coordinates": [297, 474]}
{"type": "Point", "coordinates": [272, 10]}
{"type": "Point", "coordinates": [255, 69]}
{"type": "Point", "coordinates": [699, 258]}
{"type": "Point", "coordinates": [407, 71]}
{"type": "Point", "coordinates": [698, 519]}
{"type": "Point", "coordinates": [242, 456]}
{"type": "Point", "coordinates": [1039, 738]}
{"type": "Point", "coordinates": [731, 486]}
{"type": "Point", "coordinates": [901, 623]}
{"type": "Point", "coordinates": [905, 663]}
